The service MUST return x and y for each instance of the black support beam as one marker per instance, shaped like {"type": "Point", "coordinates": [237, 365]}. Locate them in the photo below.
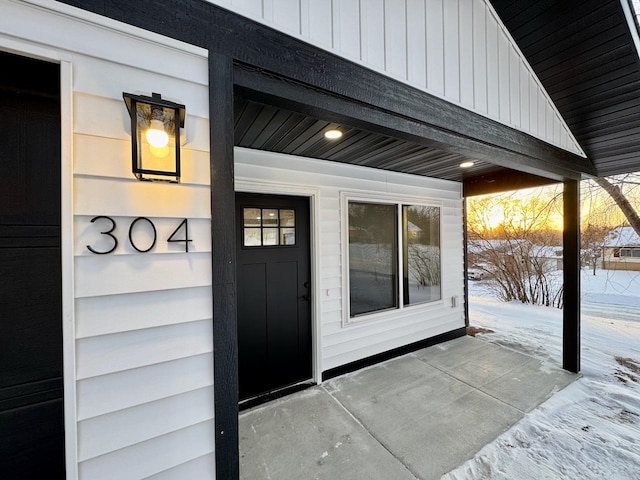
{"type": "Point", "coordinates": [223, 256]}
{"type": "Point", "coordinates": [448, 135]}
{"type": "Point", "coordinates": [465, 240]}
{"type": "Point", "coordinates": [502, 181]}
{"type": "Point", "coordinates": [571, 275]}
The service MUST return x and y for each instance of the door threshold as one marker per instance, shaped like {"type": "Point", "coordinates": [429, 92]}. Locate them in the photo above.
{"type": "Point", "coordinates": [275, 394]}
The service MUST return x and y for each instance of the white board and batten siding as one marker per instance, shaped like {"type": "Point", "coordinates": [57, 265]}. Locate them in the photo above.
{"type": "Point", "coordinates": [342, 342]}
{"type": "Point", "coordinates": [143, 329]}
{"type": "Point", "coordinates": [458, 50]}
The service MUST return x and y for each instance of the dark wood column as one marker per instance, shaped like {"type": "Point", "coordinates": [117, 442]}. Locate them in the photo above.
{"type": "Point", "coordinates": [223, 256]}
{"type": "Point", "coordinates": [465, 241]}
{"type": "Point", "coordinates": [571, 274]}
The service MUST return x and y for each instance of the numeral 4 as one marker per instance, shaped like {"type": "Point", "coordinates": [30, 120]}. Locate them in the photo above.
{"type": "Point", "coordinates": [186, 238]}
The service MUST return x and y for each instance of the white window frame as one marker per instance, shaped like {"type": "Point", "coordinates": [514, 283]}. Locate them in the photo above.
{"type": "Point", "coordinates": [390, 313]}
{"type": "Point", "coordinates": [630, 253]}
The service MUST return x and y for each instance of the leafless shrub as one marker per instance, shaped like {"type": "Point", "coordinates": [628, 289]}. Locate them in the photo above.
{"type": "Point", "coordinates": [424, 264]}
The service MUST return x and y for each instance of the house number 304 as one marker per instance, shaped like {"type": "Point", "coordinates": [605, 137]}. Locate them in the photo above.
{"type": "Point", "coordinates": [111, 227]}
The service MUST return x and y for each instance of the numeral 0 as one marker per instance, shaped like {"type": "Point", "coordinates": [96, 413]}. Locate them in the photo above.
{"type": "Point", "coordinates": [109, 233]}
{"type": "Point", "coordinates": [155, 234]}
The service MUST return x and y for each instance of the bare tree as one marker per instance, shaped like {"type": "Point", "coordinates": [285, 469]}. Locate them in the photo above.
{"type": "Point", "coordinates": [613, 186]}
{"type": "Point", "coordinates": [514, 253]}
{"type": "Point", "coordinates": [520, 255]}
{"type": "Point", "coordinates": [591, 240]}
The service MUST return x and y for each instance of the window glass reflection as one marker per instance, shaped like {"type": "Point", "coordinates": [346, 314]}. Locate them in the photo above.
{"type": "Point", "coordinates": [372, 257]}
{"type": "Point", "coordinates": [251, 217]}
{"type": "Point", "coordinates": [269, 217]}
{"type": "Point", "coordinates": [421, 254]}
{"type": "Point", "coordinates": [252, 237]}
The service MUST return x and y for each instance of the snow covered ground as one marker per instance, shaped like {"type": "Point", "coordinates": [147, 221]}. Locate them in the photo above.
{"type": "Point", "coordinates": [591, 429]}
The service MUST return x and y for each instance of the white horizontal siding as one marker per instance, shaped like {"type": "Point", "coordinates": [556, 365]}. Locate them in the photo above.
{"type": "Point", "coordinates": [111, 157]}
{"type": "Point", "coordinates": [342, 344]}
{"type": "Point", "coordinates": [142, 460]}
{"type": "Point", "coordinates": [201, 467]}
{"type": "Point", "coordinates": [116, 391]}
{"type": "Point", "coordinates": [115, 274]}
{"type": "Point", "coordinates": [132, 349]}
{"type": "Point", "coordinates": [135, 311]}
{"type": "Point", "coordinates": [143, 347]}
{"type": "Point", "coordinates": [107, 117]}
{"type": "Point", "coordinates": [61, 31]}
{"type": "Point", "coordinates": [143, 329]}
{"type": "Point", "coordinates": [108, 433]}
{"type": "Point", "coordinates": [89, 233]}
{"type": "Point", "coordinates": [132, 198]}
{"type": "Point", "coordinates": [455, 49]}
{"type": "Point", "coordinates": [386, 343]}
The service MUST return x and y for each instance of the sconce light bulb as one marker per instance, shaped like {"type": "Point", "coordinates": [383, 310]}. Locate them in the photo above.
{"type": "Point", "coordinates": [156, 136]}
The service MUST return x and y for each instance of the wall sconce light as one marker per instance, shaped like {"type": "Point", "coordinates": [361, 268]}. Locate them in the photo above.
{"type": "Point", "coordinates": [155, 137]}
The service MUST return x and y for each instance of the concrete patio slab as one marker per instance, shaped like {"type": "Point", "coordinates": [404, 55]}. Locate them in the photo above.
{"type": "Point", "coordinates": [475, 364]}
{"type": "Point", "coordinates": [416, 416]}
{"type": "Point", "coordinates": [429, 423]}
{"type": "Point", "coordinates": [309, 435]}
{"type": "Point", "coordinates": [527, 386]}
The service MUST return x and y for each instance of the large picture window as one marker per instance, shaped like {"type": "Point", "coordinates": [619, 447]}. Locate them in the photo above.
{"type": "Point", "coordinates": [394, 256]}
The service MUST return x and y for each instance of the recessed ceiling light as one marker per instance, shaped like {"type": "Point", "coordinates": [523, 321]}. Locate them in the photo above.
{"type": "Point", "coordinates": [333, 134]}
{"type": "Point", "coordinates": [467, 164]}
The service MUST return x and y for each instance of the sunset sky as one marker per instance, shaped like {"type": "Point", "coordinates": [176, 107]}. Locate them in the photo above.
{"type": "Point", "coordinates": [522, 206]}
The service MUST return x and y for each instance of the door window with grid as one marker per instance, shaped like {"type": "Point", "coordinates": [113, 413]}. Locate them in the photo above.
{"type": "Point", "coordinates": [268, 227]}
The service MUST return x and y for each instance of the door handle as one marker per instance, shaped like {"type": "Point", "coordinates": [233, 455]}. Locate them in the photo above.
{"type": "Point", "coordinates": [307, 297]}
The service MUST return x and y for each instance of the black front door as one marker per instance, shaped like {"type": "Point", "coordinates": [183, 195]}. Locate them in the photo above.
{"type": "Point", "coordinates": [274, 289]}
{"type": "Point", "coordinates": [31, 388]}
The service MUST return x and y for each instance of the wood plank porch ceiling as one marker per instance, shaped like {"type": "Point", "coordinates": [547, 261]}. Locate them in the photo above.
{"type": "Point", "coordinates": [584, 55]}
{"type": "Point", "coordinates": [274, 129]}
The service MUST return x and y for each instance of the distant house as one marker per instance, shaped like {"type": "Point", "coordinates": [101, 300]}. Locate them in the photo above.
{"type": "Point", "coordinates": [415, 231]}
{"type": "Point", "coordinates": [621, 250]}
{"type": "Point", "coordinates": [548, 255]}
{"type": "Point", "coordinates": [480, 251]}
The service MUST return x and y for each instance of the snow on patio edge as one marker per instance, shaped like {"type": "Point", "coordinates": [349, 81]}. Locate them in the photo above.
{"type": "Point", "coordinates": [590, 429]}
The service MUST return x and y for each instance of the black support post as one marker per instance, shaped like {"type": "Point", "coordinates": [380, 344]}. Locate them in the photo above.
{"type": "Point", "coordinates": [465, 246]}
{"type": "Point", "coordinates": [571, 274]}
{"type": "Point", "coordinates": [223, 256]}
